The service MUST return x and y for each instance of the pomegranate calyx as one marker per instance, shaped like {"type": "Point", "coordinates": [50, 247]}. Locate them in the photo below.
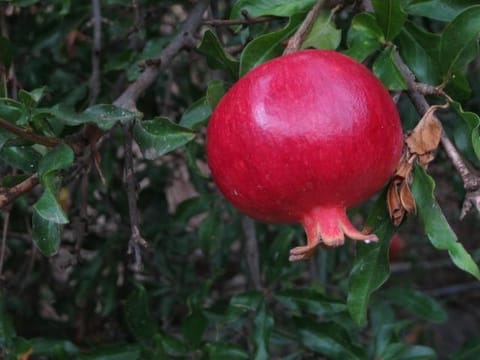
{"type": "Point", "coordinates": [327, 227]}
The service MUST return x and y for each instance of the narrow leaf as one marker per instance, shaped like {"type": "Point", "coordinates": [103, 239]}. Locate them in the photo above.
{"type": "Point", "coordinates": [196, 115]}
{"type": "Point", "coordinates": [436, 226]}
{"type": "Point", "coordinates": [387, 70]}
{"type": "Point", "coordinates": [473, 122]}
{"type": "Point", "coordinates": [371, 267]}
{"type": "Point", "coordinates": [159, 136]}
{"type": "Point", "coordinates": [443, 10]}
{"type": "Point", "coordinates": [390, 16]}
{"type": "Point", "coordinates": [261, 335]}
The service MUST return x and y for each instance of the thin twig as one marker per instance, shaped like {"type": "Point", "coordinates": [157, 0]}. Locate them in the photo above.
{"type": "Point", "coordinates": [96, 53]}
{"type": "Point", "coordinates": [129, 97]}
{"type": "Point", "coordinates": [251, 252]}
{"type": "Point", "coordinates": [7, 196]}
{"type": "Point", "coordinates": [28, 135]}
{"type": "Point", "coordinates": [297, 39]}
{"type": "Point", "coordinates": [470, 176]}
{"type": "Point", "coordinates": [136, 239]}
{"type": "Point", "coordinates": [3, 248]}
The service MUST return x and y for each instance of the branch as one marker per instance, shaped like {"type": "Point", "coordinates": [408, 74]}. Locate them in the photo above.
{"type": "Point", "coordinates": [28, 135]}
{"type": "Point", "coordinates": [136, 239]}
{"type": "Point", "coordinates": [130, 96]}
{"type": "Point", "coordinates": [470, 176]}
{"type": "Point", "coordinates": [251, 251]}
{"type": "Point", "coordinates": [297, 39]}
{"type": "Point", "coordinates": [97, 49]}
{"type": "Point", "coordinates": [3, 247]}
{"type": "Point", "coordinates": [7, 196]}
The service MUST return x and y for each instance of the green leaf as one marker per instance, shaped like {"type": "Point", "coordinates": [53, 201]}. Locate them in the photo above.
{"type": "Point", "coordinates": [473, 122]}
{"type": "Point", "coordinates": [371, 267]}
{"type": "Point", "coordinates": [399, 351]}
{"type": "Point", "coordinates": [459, 41]}
{"type": "Point", "coordinates": [390, 16]}
{"type": "Point", "coordinates": [266, 47]}
{"type": "Point", "coordinates": [469, 351]}
{"type": "Point", "coordinates": [270, 7]}
{"type": "Point", "coordinates": [310, 300]}
{"type": "Point", "coordinates": [159, 136]}
{"type": "Point", "coordinates": [419, 50]}
{"type": "Point", "coordinates": [193, 328]}
{"type": "Point", "coordinates": [52, 348]}
{"type": "Point", "coordinates": [364, 36]}
{"type": "Point", "coordinates": [215, 91]}
{"type": "Point", "coordinates": [243, 303]}
{"type": "Point", "coordinates": [6, 52]}
{"type": "Point", "coordinates": [327, 338]}
{"type": "Point", "coordinates": [222, 351]}
{"type": "Point", "coordinates": [443, 10]}
{"type": "Point", "coordinates": [47, 206]}
{"type": "Point", "coordinates": [31, 98]}
{"type": "Point", "coordinates": [418, 303]}
{"type": "Point", "coordinates": [105, 116]}
{"type": "Point", "coordinates": [7, 331]}
{"type": "Point", "coordinates": [261, 334]}
{"type": "Point", "coordinates": [196, 115]}
{"type": "Point", "coordinates": [324, 34]}
{"type": "Point", "coordinates": [211, 233]}
{"type": "Point", "coordinates": [387, 70]}
{"type": "Point", "coordinates": [138, 316]}
{"type": "Point", "coordinates": [113, 352]}
{"type": "Point", "coordinates": [436, 226]}
{"type": "Point", "coordinates": [217, 58]}
{"type": "Point", "coordinates": [21, 157]}
{"type": "Point", "coordinates": [45, 235]}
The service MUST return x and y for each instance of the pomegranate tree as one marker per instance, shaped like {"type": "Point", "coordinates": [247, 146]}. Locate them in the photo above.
{"type": "Point", "coordinates": [301, 138]}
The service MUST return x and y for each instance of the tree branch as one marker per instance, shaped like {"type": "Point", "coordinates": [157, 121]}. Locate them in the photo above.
{"type": "Point", "coordinates": [28, 135]}
{"type": "Point", "coordinates": [97, 49]}
{"type": "Point", "coordinates": [297, 39]}
{"type": "Point", "coordinates": [251, 252]}
{"type": "Point", "coordinates": [470, 176]}
{"type": "Point", "coordinates": [129, 97]}
{"type": "Point", "coordinates": [7, 196]}
{"type": "Point", "coordinates": [136, 239]}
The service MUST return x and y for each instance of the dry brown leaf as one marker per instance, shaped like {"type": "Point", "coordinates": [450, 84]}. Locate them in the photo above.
{"type": "Point", "coordinates": [406, 198]}
{"type": "Point", "coordinates": [425, 137]}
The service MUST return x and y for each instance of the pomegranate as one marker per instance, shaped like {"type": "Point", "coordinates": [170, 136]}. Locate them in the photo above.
{"type": "Point", "coordinates": [301, 138]}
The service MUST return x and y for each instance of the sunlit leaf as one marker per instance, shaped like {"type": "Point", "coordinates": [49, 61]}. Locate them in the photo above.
{"type": "Point", "coordinates": [324, 34]}
{"type": "Point", "coordinates": [364, 36]}
{"type": "Point", "coordinates": [271, 7]}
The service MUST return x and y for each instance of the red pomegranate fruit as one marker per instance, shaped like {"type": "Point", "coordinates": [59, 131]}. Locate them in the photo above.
{"type": "Point", "coordinates": [301, 138]}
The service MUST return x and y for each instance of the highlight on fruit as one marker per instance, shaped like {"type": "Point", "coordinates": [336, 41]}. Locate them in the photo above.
{"type": "Point", "coordinates": [300, 139]}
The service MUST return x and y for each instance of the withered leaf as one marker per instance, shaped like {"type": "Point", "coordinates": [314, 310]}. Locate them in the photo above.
{"type": "Point", "coordinates": [394, 204]}
{"type": "Point", "coordinates": [406, 198]}
{"type": "Point", "coordinates": [425, 137]}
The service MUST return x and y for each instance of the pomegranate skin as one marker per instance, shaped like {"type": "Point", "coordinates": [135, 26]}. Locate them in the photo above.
{"type": "Point", "coordinates": [301, 138]}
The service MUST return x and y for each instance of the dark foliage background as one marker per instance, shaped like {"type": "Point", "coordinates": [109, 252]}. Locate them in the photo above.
{"type": "Point", "coordinates": [115, 242]}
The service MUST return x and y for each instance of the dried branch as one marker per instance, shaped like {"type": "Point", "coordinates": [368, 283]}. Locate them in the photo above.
{"type": "Point", "coordinates": [28, 135]}
{"type": "Point", "coordinates": [470, 176]}
{"type": "Point", "coordinates": [136, 239]}
{"type": "Point", "coordinates": [297, 39]}
{"type": "Point", "coordinates": [7, 196]}
{"type": "Point", "coordinates": [97, 49]}
{"type": "Point", "coordinates": [129, 97]}
{"type": "Point", "coordinates": [251, 252]}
